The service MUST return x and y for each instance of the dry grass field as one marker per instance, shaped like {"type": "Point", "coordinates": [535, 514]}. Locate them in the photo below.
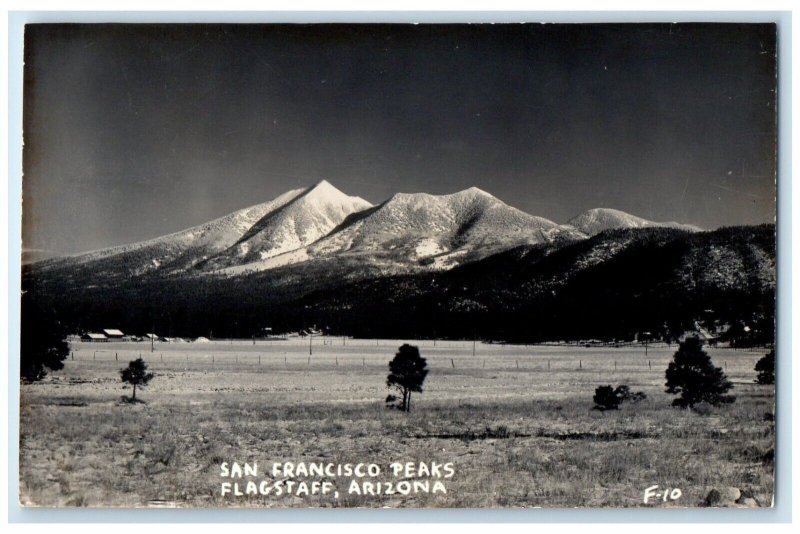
{"type": "Point", "coordinates": [516, 422]}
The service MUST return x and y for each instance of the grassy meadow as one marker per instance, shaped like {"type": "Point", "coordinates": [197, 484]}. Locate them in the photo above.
{"type": "Point", "coordinates": [515, 421]}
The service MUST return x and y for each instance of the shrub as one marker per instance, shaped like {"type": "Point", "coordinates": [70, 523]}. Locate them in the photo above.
{"type": "Point", "coordinates": [625, 394]}
{"type": "Point", "coordinates": [765, 367]}
{"type": "Point", "coordinates": [608, 398]}
{"type": "Point", "coordinates": [605, 398]}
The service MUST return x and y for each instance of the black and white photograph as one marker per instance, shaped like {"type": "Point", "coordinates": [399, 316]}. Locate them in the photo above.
{"type": "Point", "coordinates": [395, 265]}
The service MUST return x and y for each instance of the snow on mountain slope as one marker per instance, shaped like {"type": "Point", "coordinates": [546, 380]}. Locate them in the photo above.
{"type": "Point", "coordinates": [597, 220]}
{"type": "Point", "coordinates": [438, 231]}
{"type": "Point", "coordinates": [178, 250]}
{"type": "Point", "coordinates": [305, 219]}
{"type": "Point", "coordinates": [729, 266]}
{"type": "Point", "coordinates": [324, 229]}
{"type": "Point", "coordinates": [421, 225]}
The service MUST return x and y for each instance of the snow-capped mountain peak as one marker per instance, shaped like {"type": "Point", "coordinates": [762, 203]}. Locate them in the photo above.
{"type": "Point", "coordinates": [406, 233]}
{"type": "Point", "coordinates": [411, 230]}
{"type": "Point", "coordinates": [290, 221]}
{"type": "Point", "coordinates": [307, 218]}
{"type": "Point", "coordinates": [594, 221]}
{"type": "Point", "coordinates": [474, 191]}
{"type": "Point", "coordinates": [178, 250]}
{"type": "Point", "coordinates": [324, 191]}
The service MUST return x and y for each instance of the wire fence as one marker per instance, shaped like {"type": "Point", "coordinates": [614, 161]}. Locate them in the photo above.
{"type": "Point", "coordinates": [605, 360]}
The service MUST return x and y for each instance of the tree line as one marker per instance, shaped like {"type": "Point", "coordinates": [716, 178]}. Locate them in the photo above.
{"type": "Point", "coordinates": [656, 283]}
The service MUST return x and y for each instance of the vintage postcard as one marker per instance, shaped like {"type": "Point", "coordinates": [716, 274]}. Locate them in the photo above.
{"type": "Point", "coordinates": [398, 265]}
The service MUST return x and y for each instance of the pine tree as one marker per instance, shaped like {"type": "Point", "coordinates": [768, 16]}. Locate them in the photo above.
{"type": "Point", "coordinates": [407, 372]}
{"type": "Point", "coordinates": [766, 368]}
{"type": "Point", "coordinates": [136, 374]}
{"type": "Point", "coordinates": [694, 377]}
{"type": "Point", "coordinates": [42, 341]}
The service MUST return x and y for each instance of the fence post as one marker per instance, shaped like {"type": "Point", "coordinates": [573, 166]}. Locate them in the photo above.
{"type": "Point", "coordinates": [452, 363]}
{"type": "Point", "coordinates": [517, 361]}
{"type": "Point", "coordinates": [615, 365]}
{"type": "Point", "coordinates": [580, 364]}
{"type": "Point", "coordinates": [649, 366]}
{"type": "Point", "coordinates": [116, 356]}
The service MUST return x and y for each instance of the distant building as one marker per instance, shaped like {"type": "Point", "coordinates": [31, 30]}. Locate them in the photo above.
{"type": "Point", "coordinates": [91, 337]}
{"type": "Point", "coordinates": [704, 335]}
{"type": "Point", "coordinates": [113, 333]}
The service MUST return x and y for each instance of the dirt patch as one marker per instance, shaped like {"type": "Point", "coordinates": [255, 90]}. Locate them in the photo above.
{"type": "Point", "coordinates": [500, 432]}
{"type": "Point", "coordinates": [594, 436]}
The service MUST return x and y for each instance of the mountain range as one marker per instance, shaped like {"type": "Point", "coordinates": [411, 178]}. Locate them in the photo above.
{"type": "Point", "coordinates": [407, 232]}
{"type": "Point", "coordinates": [418, 265]}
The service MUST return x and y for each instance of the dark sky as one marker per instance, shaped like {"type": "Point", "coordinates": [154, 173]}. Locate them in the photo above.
{"type": "Point", "coordinates": [134, 131]}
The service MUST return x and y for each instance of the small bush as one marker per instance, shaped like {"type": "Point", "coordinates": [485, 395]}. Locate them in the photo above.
{"type": "Point", "coordinates": [625, 394]}
{"type": "Point", "coordinates": [765, 367]}
{"type": "Point", "coordinates": [608, 398]}
{"type": "Point", "coordinates": [605, 398]}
